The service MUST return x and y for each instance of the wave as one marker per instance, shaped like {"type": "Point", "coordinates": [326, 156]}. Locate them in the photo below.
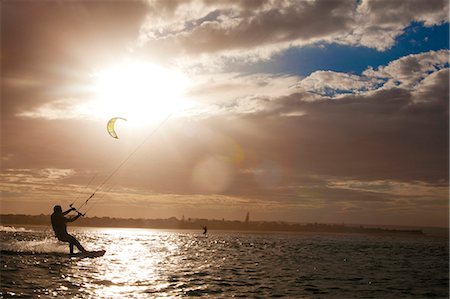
{"type": "Point", "coordinates": [89, 254]}
{"type": "Point", "coordinates": [29, 253]}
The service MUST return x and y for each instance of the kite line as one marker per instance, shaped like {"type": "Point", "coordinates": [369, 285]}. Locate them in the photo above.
{"type": "Point", "coordinates": [119, 166]}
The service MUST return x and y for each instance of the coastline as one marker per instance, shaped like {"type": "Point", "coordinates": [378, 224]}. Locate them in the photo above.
{"type": "Point", "coordinates": [223, 225]}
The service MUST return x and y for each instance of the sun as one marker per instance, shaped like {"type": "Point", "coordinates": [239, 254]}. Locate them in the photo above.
{"type": "Point", "coordinates": [141, 92]}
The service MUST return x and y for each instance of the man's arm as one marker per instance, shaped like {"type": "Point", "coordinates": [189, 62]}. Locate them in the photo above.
{"type": "Point", "coordinates": [74, 218]}
{"type": "Point", "coordinates": [68, 211]}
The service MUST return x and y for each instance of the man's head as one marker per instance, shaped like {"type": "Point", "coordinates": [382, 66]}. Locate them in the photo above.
{"type": "Point", "coordinates": [57, 209]}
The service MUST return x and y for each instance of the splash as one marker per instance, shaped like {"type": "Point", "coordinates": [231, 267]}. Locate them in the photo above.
{"type": "Point", "coordinates": [14, 229]}
{"type": "Point", "coordinates": [47, 245]}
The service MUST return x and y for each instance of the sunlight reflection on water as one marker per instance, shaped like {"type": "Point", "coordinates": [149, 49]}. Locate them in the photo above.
{"type": "Point", "coordinates": [129, 265]}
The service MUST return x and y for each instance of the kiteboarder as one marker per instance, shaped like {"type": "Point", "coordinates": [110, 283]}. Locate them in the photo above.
{"type": "Point", "coordinates": [60, 227]}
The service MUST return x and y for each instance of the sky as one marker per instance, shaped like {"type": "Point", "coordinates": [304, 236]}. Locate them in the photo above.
{"type": "Point", "coordinates": [305, 111]}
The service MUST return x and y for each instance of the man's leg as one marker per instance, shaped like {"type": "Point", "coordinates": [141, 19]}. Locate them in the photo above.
{"type": "Point", "coordinates": [66, 238]}
{"type": "Point", "coordinates": [75, 242]}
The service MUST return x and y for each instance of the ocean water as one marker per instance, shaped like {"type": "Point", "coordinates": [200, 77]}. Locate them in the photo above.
{"type": "Point", "coordinates": [144, 263]}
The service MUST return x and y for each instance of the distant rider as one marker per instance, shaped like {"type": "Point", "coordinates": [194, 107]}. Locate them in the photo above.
{"type": "Point", "coordinates": [60, 227]}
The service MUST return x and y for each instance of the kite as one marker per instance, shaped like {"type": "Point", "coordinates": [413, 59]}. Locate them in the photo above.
{"type": "Point", "coordinates": [110, 126]}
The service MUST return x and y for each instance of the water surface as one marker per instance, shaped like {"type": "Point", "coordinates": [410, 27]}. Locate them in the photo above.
{"type": "Point", "coordinates": [144, 263]}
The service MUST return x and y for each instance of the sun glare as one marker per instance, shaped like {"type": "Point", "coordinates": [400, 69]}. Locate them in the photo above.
{"type": "Point", "coordinates": [143, 93]}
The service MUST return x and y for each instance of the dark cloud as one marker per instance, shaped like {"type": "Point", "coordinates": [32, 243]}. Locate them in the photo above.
{"type": "Point", "coordinates": [262, 27]}
{"type": "Point", "coordinates": [385, 134]}
{"type": "Point", "coordinates": [239, 28]}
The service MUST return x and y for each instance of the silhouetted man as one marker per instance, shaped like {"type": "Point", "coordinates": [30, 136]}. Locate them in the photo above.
{"type": "Point", "coordinates": [60, 227]}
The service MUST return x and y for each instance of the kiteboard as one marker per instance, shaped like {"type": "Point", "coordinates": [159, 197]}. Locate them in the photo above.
{"type": "Point", "coordinates": [96, 253]}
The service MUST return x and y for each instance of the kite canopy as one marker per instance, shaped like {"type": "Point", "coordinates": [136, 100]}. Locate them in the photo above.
{"type": "Point", "coordinates": [110, 126]}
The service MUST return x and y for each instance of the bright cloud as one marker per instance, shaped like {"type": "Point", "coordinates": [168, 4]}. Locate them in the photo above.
{"type": "Point", "coordinates": [406, 72]}
{"type": "Point", "coordinates": [333, 83]}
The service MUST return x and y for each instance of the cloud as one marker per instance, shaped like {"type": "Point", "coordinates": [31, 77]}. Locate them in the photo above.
{"type": "Point", "coordinates": [407, 72]}
{"type": "Point", "coordinates": [235, 27]}
{"type": "Point", "coordinates": [402, 12]}
{"type": "Point", "coordinates": [37, 183]}
{"type": "Point", "coordinates": [416, 189]}
{"type": "Point", "coordinates": [46, 175]}
{"type": "Point", "coordinates": [223, 93]}
{"type": "Point", "coordinates": [329, 83]}
{"type": "Point", "coordinates": [395, 132]}
{"type": "Point", "coordinates": [433, 88]}
{"type": "Point", "coordinates": [257, 29]}
{"type": "Point", "coordinates": [379, 23]}
{"type": "Point", "coordinates": [59, 109]}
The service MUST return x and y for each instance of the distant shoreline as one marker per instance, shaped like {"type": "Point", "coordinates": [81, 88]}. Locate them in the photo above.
{"type": "Point", "coordinates": [197, 224]}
